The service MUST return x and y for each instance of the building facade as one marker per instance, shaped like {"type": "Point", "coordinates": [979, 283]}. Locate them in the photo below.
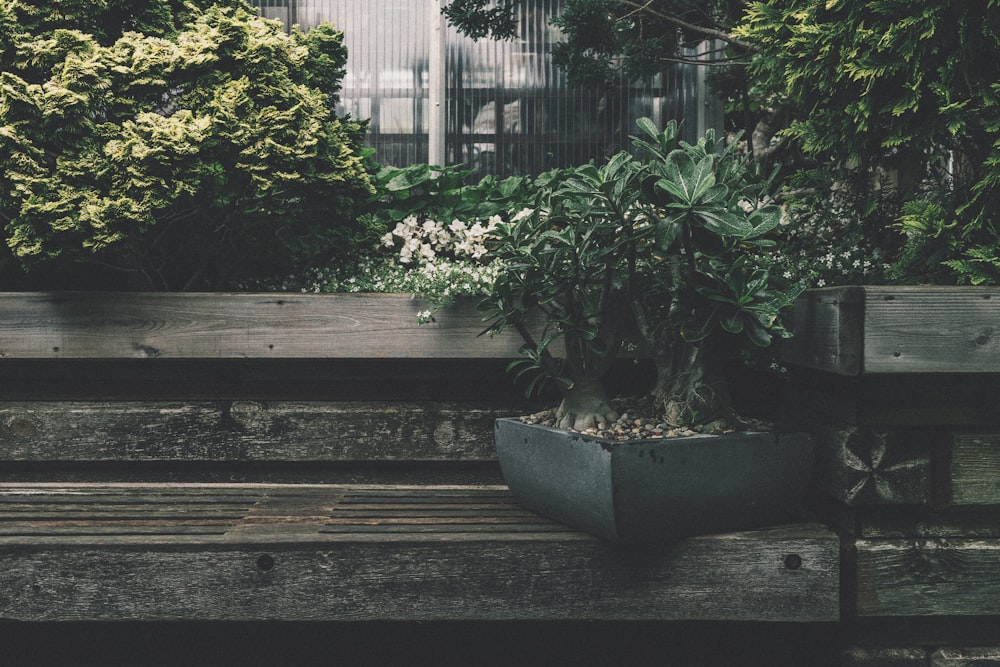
{"type": "Point", "coordinates": [499, 107]}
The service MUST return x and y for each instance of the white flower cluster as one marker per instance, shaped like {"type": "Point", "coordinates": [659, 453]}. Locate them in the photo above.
{"type": "Point", "coordinates": [432, 261]}
{"type": "Point", "coordinates": [825, 245]}
{"type": "Point", "coordinates": [427, 241]}
{"type": "Point", "coordinates": [438, 283]}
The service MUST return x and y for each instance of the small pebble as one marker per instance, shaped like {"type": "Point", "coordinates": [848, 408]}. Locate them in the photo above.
{"type": "Point", "coordinates": [631, 425]}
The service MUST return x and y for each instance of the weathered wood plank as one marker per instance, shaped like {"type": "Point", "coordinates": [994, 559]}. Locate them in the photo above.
{"type": "Point", "coordinates": [437, 560]}
{"type": "Point", "coordinates": [881, 656]}
{"type": "Point", "coordinates": [740, 576]}
{"type": "Point", "coordinates": [930, 329]}
{"type": "Point", "coordinates": [979, 656]}
{"type": "Point", "coordinates": [124, 431]}
{"type": "Point", "coordinates": [902, 523]}
{"type": "Point", "coordinates": [87, 325]}
{"type": "Point", "coordinates": [827, 324]}
{"type": "Point", "coordinates": [483, 380]}
{"type": "Point", "coordinates": [897, 329]}
{"type": "Point", "coordinates": [930, 576]}
{"type": "Point", "coordinates": [974, 469]}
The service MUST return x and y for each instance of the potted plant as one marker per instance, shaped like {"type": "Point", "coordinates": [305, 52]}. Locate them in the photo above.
{"type": "Point", "coordinates": [659, 252]}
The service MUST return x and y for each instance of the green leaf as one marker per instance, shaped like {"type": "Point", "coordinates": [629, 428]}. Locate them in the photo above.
{"type": "Point", "coordinates": [701, 324]}
{"type": "Point", "coordinates": [732, 323]}
{"type": "Point", "coordinates": [758, 335]}
{"type": "Point", "coordinates": [648, 126]}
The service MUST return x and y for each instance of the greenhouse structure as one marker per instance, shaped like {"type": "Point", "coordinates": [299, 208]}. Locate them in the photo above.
{"type": "Point", "coordinates": [501, 107]}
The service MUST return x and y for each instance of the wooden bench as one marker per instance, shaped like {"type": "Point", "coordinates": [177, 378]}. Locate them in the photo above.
{"type": "Point", "coordinates": [900, 386]}
{"type": "Point", "coordinates": [314, 458]}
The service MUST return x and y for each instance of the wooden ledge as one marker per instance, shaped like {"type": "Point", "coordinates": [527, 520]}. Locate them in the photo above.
{"type": "Point", "coordinates": [123, 325]}
{"type": "Point", "coordinates": [305, 552]}
{"type": "Point", "coordinates": [897, 329]}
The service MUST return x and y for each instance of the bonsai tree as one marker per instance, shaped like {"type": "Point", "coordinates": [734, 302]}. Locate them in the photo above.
{"type": "Point", "coordinates": [184, 144]}
{"type": "Point", "coordinates": [660, 252]}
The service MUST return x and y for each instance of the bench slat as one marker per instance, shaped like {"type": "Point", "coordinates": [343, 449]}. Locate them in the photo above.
{"type": "Point", "coordinates": [95, 325]}
{"type": "Point", "coordinates": [292, 555]}
{"type": "Point", "coordinates": [246, 431]}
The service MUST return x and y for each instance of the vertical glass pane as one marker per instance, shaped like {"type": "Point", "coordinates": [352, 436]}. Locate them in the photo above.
{"type": "Point", "coordinates": [387, 45]}
{"type": "Point", "coordinates": [509, 110]}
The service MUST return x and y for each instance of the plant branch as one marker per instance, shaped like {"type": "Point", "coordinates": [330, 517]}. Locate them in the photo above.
{"type": "Point", "coordinates": [724, 62]}
{"type": "Point", "coordinates": [708, 32]}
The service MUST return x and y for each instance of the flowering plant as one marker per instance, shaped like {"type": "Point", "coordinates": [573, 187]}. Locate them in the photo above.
{"type": "Point", "coordinates": [440, 262]}
{"type": "Point", "coordinates": [437, 231]}
{"type": "Point", "coordinates": [658, 251]}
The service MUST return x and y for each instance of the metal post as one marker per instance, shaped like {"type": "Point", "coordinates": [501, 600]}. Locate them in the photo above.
{"type": "Point", "coordinates": [437, 113]}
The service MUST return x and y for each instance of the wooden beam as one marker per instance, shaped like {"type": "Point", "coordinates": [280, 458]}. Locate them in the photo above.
{"type": "Point", "coordinates": [931, 329]}
{"type": "Point", "coordinates": [928, 576]}
{"type": "Point", "coordinates": [245, 431]}
{"type": "Point", "coordinates": [827, 324]}
{"type": "Point", "coordinates": [88, 325]}
{"type": "Point", "coordinates": [973, 472]}
{"type": "Point", "coordinates": [898, 329]}
{"type": "Point", "coordinates": [979, 656]}
{"type": "Point", "coordinates": [881, 656]}
{"type": "Point", "coordinates": [377, 552]}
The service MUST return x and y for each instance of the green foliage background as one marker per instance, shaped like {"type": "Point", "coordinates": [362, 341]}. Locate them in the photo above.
{"type": "Point", "coordinates": [912, 86]}
{"type": "Point", "coordinates": [182, 144]}
{"type": "Point", "coordinates": [847, 95]}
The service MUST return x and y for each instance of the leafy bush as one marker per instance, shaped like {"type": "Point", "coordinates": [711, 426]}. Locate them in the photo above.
{"type": "Point", "coordinates": [186, 145]}
{"type": "Point", "coordinates": [434, 232]}
{"type": "Point", "coordinates": [658, 251]}
{"type": "Point", "coordinates": [907, 86]}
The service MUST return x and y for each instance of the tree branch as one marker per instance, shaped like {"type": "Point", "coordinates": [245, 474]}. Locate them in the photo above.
{"type": "Point", "coordinates": [708, 32]}
{"type": "Point", "coordinates": [724, 62]}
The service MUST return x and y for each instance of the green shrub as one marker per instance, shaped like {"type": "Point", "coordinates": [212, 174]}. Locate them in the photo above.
{"type": "Point", "coordinates": [910, 87]}
{"type": "Point", "coordinates": [179, 145]}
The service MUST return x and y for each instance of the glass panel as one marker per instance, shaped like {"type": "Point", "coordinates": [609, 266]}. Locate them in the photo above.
{"type": "Point", "coordinates": [509, 110]}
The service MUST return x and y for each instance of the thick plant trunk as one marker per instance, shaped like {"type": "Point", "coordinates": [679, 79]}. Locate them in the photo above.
{"type": "Point", "coordinates": [585, 405]}
{"type": "Point", "coordinates": [691, 390]}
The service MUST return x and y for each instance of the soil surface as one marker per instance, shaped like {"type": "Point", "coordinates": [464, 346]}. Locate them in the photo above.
{"type": "Point", "coordinates": [638, 421]}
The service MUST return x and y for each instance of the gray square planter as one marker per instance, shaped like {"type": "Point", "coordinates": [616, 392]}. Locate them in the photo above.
{"type": "Point", "coordinates": [655, 490]}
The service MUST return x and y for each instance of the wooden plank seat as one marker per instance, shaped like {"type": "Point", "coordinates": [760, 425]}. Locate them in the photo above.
{"type": "Point", "coordinates": [302, 458]}
{"type": "Point", "coordinates": [305, 552]}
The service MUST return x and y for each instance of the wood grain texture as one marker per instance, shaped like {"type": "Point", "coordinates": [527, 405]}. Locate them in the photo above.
{"type": "Point", "coordinates": [931, 576]}
{"type": "Point", "coordinates": [88, 325]}
{"type": "Point", "coordinates": [932, 330]}
{"type": "Point", "coordinates": [974, 469]}
{"type": "Point", "coordinates": [979, 656]}
{"type": "Point", "coordinates": [898, 329]}
{"type": "Point", "coordinates": [827, 324]}
{"type": "Point", "coordinates": [881, 656]}
{"type": "Point", "coordinates": [243, 431]}
{"type": "Point", "coordinates": [329, 552]}
{"type": "Point", "coordinates": [901, 523]}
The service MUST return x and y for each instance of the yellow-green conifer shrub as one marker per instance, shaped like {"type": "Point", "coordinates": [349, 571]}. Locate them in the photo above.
{"type": "Point", "coordinates": [187, 145]}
